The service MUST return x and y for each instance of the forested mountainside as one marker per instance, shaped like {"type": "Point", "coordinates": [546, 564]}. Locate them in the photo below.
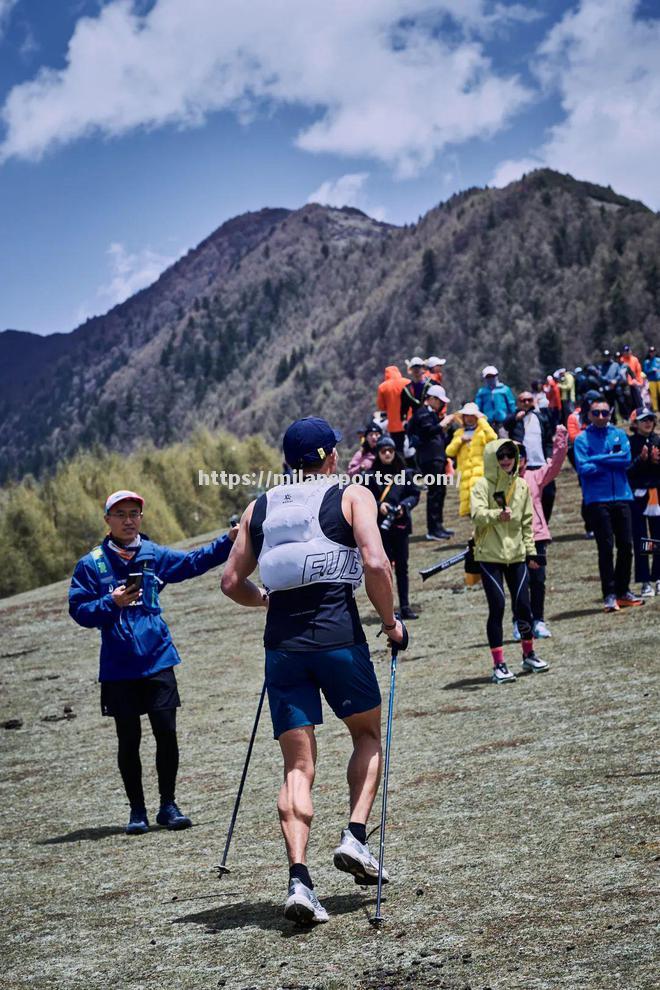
{"type": "Point", "coordinates": [284, 313]}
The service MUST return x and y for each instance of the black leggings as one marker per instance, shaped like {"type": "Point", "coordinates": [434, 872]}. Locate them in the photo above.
{"type": "Point", "coordinates": [517, 579]}
{"type": "Point", "coordinates": [129, 733]}
{"type": "Point", "coordinates": [395, 542]}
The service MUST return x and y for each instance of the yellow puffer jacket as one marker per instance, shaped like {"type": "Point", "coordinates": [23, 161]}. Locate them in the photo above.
{"type": "Point", "coordinates": [470, 459]}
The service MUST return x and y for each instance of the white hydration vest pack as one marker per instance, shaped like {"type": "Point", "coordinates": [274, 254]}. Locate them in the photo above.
{"type": "Point", "coordinates": [295, 551]}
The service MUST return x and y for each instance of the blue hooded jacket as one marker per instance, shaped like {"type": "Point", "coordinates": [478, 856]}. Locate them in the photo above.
{"type": "Point", "coordinates": [496, 403]}
{"type": "Point", "coordinates": [602, 470]}
{"type": "Point", "coordinates": [135, 641]}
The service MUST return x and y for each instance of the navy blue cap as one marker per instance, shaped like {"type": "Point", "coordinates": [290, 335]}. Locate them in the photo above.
{"type": "Point", "coordinates": [308, 441]}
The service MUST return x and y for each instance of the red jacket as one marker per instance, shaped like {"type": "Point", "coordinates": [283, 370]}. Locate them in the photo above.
{"type": "Point", "coordinates": [388, 399]}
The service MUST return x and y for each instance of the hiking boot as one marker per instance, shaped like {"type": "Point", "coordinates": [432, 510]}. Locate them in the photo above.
{"type": "Point", "coordinates": [138, 823]}
{"type": "Point", "coordinates": [646, 591]}
{"type": "Point", "coordinates": [540, 630]}
{"type": "Point", "coordinates": [516, 632]}
{"type": "Point", "coordinates": [629, 600]}
{"type": "Point", "coordinates": [354, 857]}
{"type": "Point", "coordinates": [407, 613]}
{"type": "Point", "coordinates": [502, 674]}
{"type": "Point", "coordinates": [610, 603]}
{"type": "Point", "coordinates": [534, 664]}
{"type": "Point", "coordinates": [303, 906]}
{"type": "Point", "coordinates": [170, 817]}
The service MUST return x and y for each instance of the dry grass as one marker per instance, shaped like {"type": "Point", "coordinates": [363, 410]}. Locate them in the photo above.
{"type": "Point", "coordinates": [520, 834]}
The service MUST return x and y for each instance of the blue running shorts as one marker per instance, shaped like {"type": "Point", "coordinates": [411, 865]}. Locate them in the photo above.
{"type": "Point", "coordinates": [295, 680]}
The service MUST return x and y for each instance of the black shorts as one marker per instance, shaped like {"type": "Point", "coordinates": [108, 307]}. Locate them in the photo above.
{"type": "Point", "coordinates": [141, 695]}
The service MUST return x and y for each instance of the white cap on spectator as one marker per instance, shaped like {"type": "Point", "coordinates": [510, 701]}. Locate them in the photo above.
{"type": "Point", "coordinates": [490, 369]}
{"type": "Point", "coordinates": [434, 361]}
{"type": "Point", "coordinates": [415, 362]}
{"type": "Point", "coordinates": [438, 392]}
{"type": "Point", "coordinates": [121, 496]}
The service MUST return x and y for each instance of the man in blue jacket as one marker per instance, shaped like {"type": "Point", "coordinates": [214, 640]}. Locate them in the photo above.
{"type": "Point", "coordinates": [602, 458]}
{"type": "Point", "coordinates": [115, 588]}
{"type": "Point", "coordinates": [495, 400]}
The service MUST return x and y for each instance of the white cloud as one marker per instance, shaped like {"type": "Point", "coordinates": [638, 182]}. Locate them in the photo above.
{"type": "Point", "coordinates": [131, 272]}
{"type": "Point", "coordinates": [381, 80]}
{"type": "Point", "coordinates": [605, 65]}
{"type": "Point", "coordinates": [512, 169]}
{"type": "Point", "coordinates": [5, 10]}
{"type": "Point", "coordinates": [347, 190]}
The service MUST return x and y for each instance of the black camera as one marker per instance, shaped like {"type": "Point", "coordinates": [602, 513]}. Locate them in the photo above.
{"type": "Point", "coordinates": [234, 519]}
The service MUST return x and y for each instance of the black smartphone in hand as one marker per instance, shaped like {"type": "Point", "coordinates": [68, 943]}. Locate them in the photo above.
{"type": "Point", "coordinates": [134, 582]}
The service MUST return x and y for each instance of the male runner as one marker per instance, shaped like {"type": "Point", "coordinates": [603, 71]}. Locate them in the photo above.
{"type": "Point", "coordinates": [313, 542]}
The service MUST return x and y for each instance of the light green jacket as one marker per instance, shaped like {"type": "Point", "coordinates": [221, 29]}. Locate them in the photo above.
{"type": "Point", "coordinates": [494, 541]}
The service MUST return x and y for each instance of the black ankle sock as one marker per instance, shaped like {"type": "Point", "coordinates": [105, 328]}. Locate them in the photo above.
{"type": "Point", "coordinates": [300, 872]}
{"type": "Point", "coordinates": [358, 830]}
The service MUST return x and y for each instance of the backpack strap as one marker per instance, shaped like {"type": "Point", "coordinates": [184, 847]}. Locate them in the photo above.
{"type": "Point", "coordinates": [103, 568]}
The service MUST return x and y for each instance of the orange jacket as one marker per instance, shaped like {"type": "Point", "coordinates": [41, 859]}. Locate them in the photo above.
{"type": "Point", "coordinates": [635, 367]}
{"type": "Point", "coordinates": [388, 399]}
{"type": "Point", "coordinates": [551, 389]}
{"type": "Point", "coordinates": [574, 424]}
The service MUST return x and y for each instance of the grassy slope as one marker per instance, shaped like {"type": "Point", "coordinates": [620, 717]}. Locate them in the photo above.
{"type": "Point", "coordinates": [519, 832]}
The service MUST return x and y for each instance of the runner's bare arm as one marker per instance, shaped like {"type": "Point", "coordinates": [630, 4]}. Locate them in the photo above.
{"type": "Point", "coordinates": [235, 583]}
{"type": "Point", "coordinates": [360, 511]}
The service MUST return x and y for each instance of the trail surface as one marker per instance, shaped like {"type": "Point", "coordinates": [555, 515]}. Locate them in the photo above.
{"type": "Point", "coordinates": [521, 834]}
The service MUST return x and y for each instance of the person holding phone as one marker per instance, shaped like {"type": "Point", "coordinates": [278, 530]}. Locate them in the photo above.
{"type": "Point", "coordinates": [115, 588]}
{"type": "Point", "coordinates": [502, 512]}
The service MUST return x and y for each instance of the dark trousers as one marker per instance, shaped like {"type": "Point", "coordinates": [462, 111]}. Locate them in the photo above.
{"type": "Point", "coordinates": [395, 542]}
{"type": "Point", "coordinates": [612, 525]}
{"type": "Point", "coordinates": [647, 566]}
{"type": "Point", "coordinates": [129, 733]}
{"type": "Point", "coordinates": [399, 440]}
{"type": "Point", "coordinates": [516, 576]}
{"type": "Point", "coordinates": [435, 495]}
{"type": "Point", "coordinates": [537, 585]}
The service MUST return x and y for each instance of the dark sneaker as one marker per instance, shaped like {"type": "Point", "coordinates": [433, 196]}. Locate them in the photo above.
{"type": "Point", "coordinates": [438, 537]}
{"type": "Point", "coordinates": [170, 817]}
{"type": "Point", "coordinates": [445, 533]}
{"type": "Point", "coordinates": [610, 603]}
{"type": "Point", "coordinates": [646, 591]}
{"type": "Point", "coordinates": [303, 906]}
{"type": "Point", "coordinates": [407, 613]}
{"type": "Point", "coordinates": [629, 600]}
{"type": "Point", "coordinates": [534, 664]}
{"type": "Point", "coordinates": [352, 856]}
{"type": "Point", "coordinates": [502, 674]}
{"type": "Point", "coordinates": [138, 823]}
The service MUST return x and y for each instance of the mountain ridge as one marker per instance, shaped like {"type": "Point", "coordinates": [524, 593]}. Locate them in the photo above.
{"type": "Point", "coordinates": [283, 312]}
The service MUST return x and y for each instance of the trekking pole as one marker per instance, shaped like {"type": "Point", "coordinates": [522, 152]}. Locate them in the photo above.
{"type": "Point", "coordinates": [222, 868]}
{"type": "Point", "coordinates": [378, 919]}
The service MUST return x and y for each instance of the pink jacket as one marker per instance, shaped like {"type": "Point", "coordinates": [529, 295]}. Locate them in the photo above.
{"type": "Point", "coordinates": [361, 461]}
{"type": "Point", "coordinates": [537, 480]}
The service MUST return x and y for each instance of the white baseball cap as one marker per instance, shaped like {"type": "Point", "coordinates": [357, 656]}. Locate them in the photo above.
{"type": "Point", "coordinates": [120, 497]}
{"type": "Point", "coordinates": [415, 362]}
{"type": "Point", "coordinates": [433, 361]}
{"type": "Point", "coordinates": [490, 369]}
{"type": "Point", "coordinates": [438, 392]}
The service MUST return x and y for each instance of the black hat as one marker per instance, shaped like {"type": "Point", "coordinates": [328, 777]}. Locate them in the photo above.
{"type": "Point", "coordinates": [644, 413]}
{"type": "Point", "coordinates": [373, 427]}
{"type": "Point", "coordinates": [385, 442]}
{"type": "Point", "coordinates": [308, 441]}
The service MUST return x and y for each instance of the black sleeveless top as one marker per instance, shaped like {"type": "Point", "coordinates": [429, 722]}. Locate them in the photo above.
{"type": "Point", "coordinates": [317, 616]}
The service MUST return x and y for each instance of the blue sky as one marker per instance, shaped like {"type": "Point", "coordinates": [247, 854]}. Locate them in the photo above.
{"type": "Point", "coordinates": [130, 129]}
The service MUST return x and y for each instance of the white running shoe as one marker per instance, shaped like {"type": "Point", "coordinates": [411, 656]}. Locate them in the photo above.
{"type": "Point", "coordinates": [303, 906]}
{"type": "Point", "coordinates": [354, 857]}
{"type": "Point", "coordinates": [534, 664]}
{"type": "Point", "coordinates": [502, 674]}
{"type": "Point", "coordinates": [541, 631]}
{"type": "Point", "coordinates": [516, 632]}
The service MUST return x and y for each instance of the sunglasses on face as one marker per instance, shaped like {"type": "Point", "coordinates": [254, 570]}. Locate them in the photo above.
{"type": "Point", "coordinates": [604, 413]}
